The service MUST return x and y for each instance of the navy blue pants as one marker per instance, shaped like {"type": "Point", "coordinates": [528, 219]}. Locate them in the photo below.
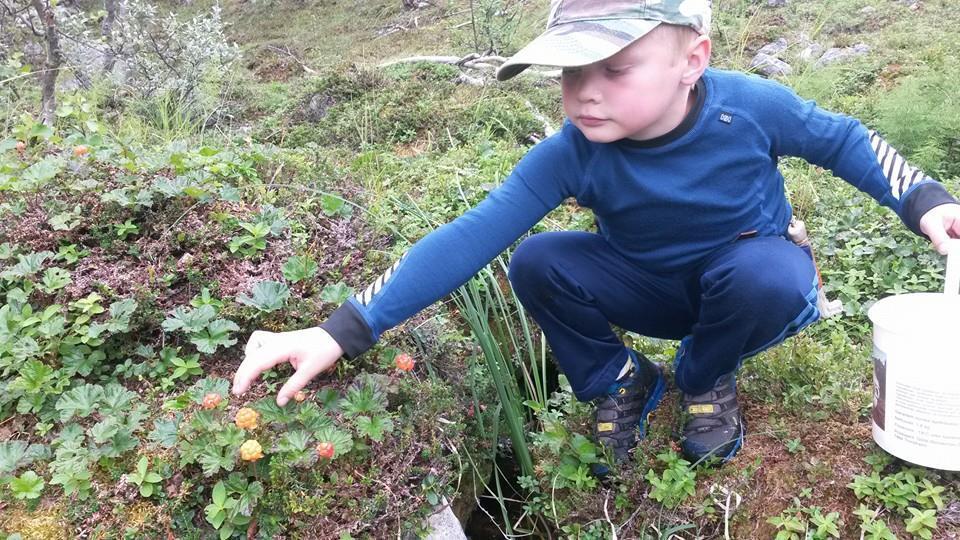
{"type": "Point", "coordinates": [745, 297]}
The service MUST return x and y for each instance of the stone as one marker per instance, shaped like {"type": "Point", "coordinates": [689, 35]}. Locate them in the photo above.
{"type": "Point", "coordinates": [318, 105]}
{"type": "Point", "coordinates": [835, 54]}
{"type": "Point", "coordinates": [776, 3]}
{"type": "Point", "coordinates": [811, 52]}
{"type": "Point", "coordinates": [444, 525]}
{"type": "Point", "coordinates": [770, 66]}
{"type": "Point", "coordinates": [775, 47]}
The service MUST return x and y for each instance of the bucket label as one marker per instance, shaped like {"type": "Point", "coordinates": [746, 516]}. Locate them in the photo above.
{"type": "Point", "coordinates": [879, 388]}
{"type": "Point", "coordinates": [926, 417]}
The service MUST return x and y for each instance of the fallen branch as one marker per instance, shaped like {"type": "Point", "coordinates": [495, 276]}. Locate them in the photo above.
{"type": "Point", "coordinates": [287, 52]}
{"type": "Point", "coordinates": [412, 59]}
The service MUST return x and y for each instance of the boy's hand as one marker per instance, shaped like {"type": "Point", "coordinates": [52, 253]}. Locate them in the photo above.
{"type": "Point", "coordinates": [940, 224]}
{"type": "Point", "coordinates": [310, 351]}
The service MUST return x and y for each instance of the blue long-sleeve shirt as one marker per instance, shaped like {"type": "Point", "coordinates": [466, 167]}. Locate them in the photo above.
{"type": "Point", "coordinates": [663, 204]}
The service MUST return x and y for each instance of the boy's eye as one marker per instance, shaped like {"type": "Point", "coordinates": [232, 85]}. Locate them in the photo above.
{"type": "Point", "coordinates": [614, 70]}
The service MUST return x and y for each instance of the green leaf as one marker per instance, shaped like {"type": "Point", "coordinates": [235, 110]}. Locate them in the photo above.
{"type": "Point", "coordinates": [25, 348]}
{"type": "Point", "coordinates": [212, 459]}
{"type": "Point", "coordinates": [141, 469]}
{"type": "Point", "coordinates": [215, 515]}
{"type": "Point", "coordinates": [42, 171]}
{"type": "Point", "coordinates": [374, 427]}
{"type": "Point", "coordinates": [117, 399]}
{"type": "Point", "coordinates": [313, 418]}
{"type": "Point", "coordinates": [219, 494]}
{"type": "Point", "coordinates": [295, 441]}
{"type": "Point", "coordinates": [273, 413]}
{"type": "Point", "coordinates": [103, 430]}
{"type": "Point", "coordinates": [229, 436]}
{"type": "Point", "coordinates": [334, 205]}
{"type": "Point", "coordinates": [189, 320]}
{"type": "Point", "coordinates": [79, 358]}
{"type": "Point", "coordinates": [267, 296]}
{"type": "Point", "coordinates": [217, 334]}
{"type": "Point", "coordinates": [165, 431]}
{"type": "Point", "coordinates": [336, 294]}
{"type": "Point", "coordinates": [27, 265]}
{"type": "Point", "coordinates": [34, 375]}
{"type": "Point", "coordinates": [40, 130]}
{"type": "Point", "coordinates": [27, 486]}
{"type": "Point", "coordinates": [73, 482]}
{"type": "Point", "coordinates": [15, 454]}
{"type": "Point", "coordinates": [80, 401]}
{"type": "Point", "coordinates": [249, 498]}
{"type": "Point", "coordinates": [66, 221]}
{"type": "Point", "coordinates": [120, 313]}
{"type": "Point", "coordinates": [54, 279]}
{"type": "Point", "coordinates": [364, 397]}
{"type": "Point", "coordinates": [299, 268]}
{"type": "Point", "coordinates": [585, 448]}
{"type": "Point", "coordinates": [921, 520]}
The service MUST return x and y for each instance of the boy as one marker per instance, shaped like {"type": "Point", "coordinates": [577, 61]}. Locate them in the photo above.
{"type": "Point", "coordinates": [679, 164]}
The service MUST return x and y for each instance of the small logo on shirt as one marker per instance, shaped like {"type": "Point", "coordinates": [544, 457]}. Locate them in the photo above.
{"type": "Point", "coordinates": [726, 118]}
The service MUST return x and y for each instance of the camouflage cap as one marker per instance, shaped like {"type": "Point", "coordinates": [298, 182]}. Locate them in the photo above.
{"type": "Point", "coordinates": [581, 32]}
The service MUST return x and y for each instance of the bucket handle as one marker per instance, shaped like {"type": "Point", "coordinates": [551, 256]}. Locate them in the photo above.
{"type": "Point", "coordinates": [951, 285]}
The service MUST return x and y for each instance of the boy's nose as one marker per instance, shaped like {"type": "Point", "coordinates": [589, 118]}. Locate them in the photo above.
{"type": "Point", "coordinates": [585, 87]}
{"type": "Point", "coordinates": [587, 90]}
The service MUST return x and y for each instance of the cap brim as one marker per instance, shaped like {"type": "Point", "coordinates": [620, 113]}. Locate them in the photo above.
{"type": "Point", "coordinates": [576, 44]}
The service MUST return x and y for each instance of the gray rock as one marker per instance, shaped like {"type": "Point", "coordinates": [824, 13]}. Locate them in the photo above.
{"type": "Point", "coordinates": [868, 10]}
{"type": "Point", "coordinates": [770, 66]}
{"type": "Point", "coordinates": [811, 52]}
{"type": "Point", "coordinates": [834, 55]}
{"type": "Point", "coordinates": [776, 3]}
{"type": "Point", "coordinates": [318, 105]}
{"type": "Point", "coordinates": [774, 48]}
{"type": "Point", "coordinates": [445, 526]}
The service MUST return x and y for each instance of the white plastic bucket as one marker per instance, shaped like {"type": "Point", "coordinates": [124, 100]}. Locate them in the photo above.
{"type": "Point", "coordinates": [916, 377]}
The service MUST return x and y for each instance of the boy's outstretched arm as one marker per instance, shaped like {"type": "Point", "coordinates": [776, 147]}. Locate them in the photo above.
{"type": "Point", "coordinates": [865, 160]}
{"type": "Point", "coordinates": [432, 268]}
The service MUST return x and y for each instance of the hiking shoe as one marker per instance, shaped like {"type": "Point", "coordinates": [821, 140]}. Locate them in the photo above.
{"type": "Point", "coordinates": [713, 426]}
{"type": "Point", "coordinates": [621, 415]}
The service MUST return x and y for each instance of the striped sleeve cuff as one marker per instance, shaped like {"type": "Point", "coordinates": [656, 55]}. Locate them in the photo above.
{"type": "Point", "coordinates": [920, 200]}
{"type": "Point", "coordinates": [900, 175]}
{"type": "Point", "coordinates": [348, 328]}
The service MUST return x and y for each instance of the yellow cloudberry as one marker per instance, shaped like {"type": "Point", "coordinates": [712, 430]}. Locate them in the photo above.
{"type": "Point", "coordinates": [251, 451]}
{"type": "Point", "coordinates": [247, 418]}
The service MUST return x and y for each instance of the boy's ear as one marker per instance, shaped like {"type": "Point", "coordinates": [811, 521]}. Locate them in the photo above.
{"type": "Point", "coordinates": [697, 59]}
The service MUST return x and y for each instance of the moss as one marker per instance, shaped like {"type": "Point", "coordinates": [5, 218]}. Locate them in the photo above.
{"type": "Point", "coordinates": [45, 524]}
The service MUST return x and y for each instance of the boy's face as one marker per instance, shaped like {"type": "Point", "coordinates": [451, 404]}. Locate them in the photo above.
{"type": "Point", "coordinates": [638, 93]}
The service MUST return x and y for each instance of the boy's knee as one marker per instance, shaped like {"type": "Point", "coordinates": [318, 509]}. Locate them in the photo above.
{"type": "Point", "coordinates": [768, 288]}
{"type": "Point", "coordinates": [530, 261]}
